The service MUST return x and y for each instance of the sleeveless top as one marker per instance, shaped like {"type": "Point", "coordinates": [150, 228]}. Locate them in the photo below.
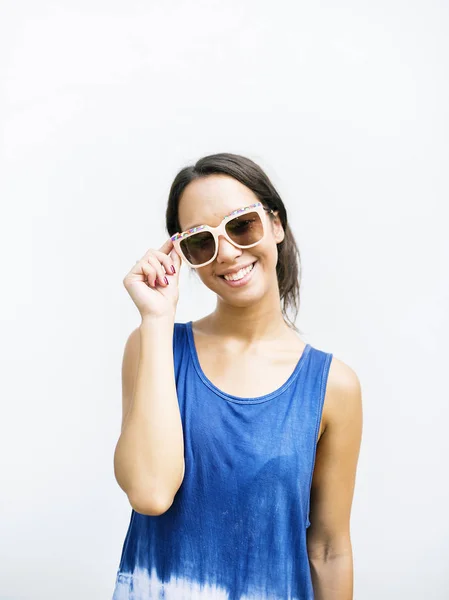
{"type": "Point", "coordinates": [237, 527]}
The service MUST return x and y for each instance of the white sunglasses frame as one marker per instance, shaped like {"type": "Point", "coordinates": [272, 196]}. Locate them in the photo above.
{"type": "Point", "coordinates": [177, 238]}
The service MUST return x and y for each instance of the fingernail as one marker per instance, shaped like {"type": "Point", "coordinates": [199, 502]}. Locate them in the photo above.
{"type": "Point", "coordinates": [166, 280]}
{"type": "Point", "coordinates": [155, 282]}
{"type": "Point", "coordinates": [172, 269]}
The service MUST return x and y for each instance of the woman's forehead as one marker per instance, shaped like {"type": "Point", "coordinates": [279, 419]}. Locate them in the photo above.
{"type": "Point", "coordinates": [209, 199]}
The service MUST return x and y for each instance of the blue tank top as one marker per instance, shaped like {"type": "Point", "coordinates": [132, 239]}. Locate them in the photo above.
{"type": "Point", "coordinates": [237, 527]}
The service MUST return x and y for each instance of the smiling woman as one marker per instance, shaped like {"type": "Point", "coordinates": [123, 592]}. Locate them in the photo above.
{"type": "Point", "coordinates": [239, 440]}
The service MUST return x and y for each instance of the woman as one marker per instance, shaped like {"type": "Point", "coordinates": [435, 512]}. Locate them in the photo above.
{"type": "Point", "coordinates": [239, 441]}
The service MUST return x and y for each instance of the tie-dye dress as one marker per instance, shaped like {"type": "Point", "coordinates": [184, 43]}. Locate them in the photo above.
{"type": "Point", "coordinates": [237, 527]}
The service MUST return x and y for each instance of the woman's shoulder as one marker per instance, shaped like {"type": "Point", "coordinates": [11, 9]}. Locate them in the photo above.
{"type": "Point", "coordinates": [343, 398]}
{"type": "Point", "coordinates": [180, 333]}
{"type": "Point", "coordinates": [180, 327]}
{"type": "Point", "coordinates": [342, 378]}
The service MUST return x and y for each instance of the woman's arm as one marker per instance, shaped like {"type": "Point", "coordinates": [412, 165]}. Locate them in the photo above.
{"type": "Point", "coordinates": [328, 537]}
{"type": "Point", "coordinates": [149, 456]}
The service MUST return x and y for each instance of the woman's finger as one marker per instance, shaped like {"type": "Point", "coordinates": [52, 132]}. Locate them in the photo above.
{"type": "Point", "coordinates": [155, 262]}
{"type": "Point", "coordinates": [166, 247]}
{"type": "Point", "coordinates": [167, 261]}
{"type": "Point", "coordinates": [149, 272]}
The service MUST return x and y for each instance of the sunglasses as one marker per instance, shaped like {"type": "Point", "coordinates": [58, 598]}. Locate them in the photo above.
{"type": "Point", "coordinates": [244, 228]}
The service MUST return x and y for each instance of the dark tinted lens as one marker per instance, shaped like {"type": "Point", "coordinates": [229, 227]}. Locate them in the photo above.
{"type": "Point", "coordinates": [199, 247]}
{"type": "Point", "coordinates": [245, 229]}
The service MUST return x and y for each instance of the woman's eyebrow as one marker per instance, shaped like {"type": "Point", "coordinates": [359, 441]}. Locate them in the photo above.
{"type": "Point", "coordinates": [196, 225]}
{"type": "Point", "coordinates": [192, 226]}
{"type": "Point", "coordinates": [224, 217]}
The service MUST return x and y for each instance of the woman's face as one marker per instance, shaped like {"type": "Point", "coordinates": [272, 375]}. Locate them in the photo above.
{"type": "Point", "coordinates": [206, 201]}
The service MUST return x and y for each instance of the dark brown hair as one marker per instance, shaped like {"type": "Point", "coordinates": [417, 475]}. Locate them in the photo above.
{"type": "Point", "coordinates": [288, 268]}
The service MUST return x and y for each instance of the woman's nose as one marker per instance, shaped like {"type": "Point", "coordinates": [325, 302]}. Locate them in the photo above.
{"type": "Point", "coordinates": [227, 252]}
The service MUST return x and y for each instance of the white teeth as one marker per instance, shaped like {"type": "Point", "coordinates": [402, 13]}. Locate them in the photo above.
{"type": "Point", "coordinates": [240, 274]}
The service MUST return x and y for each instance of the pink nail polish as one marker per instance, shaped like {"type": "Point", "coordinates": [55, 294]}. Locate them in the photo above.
{"type": "Point", "coordinates": [166, 280]}
{"type": "Point", "coordinates": [172, 269]}
{"type": "Point", "coordinates": [155, 282]}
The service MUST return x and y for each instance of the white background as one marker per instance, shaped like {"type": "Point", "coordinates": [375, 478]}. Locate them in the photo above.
{"type": "Point", "coordinates": [345, 105]}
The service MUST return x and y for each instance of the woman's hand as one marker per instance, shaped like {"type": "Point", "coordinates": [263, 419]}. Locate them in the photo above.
{"type": "Point", "coordinates": [153, 282]}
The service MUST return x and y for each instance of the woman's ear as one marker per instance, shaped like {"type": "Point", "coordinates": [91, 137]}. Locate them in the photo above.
{"type": "Point", "coordinates": [278, 230]}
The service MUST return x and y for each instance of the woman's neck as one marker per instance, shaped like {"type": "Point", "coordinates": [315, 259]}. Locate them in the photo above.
{"type": "Point", "coordinates": [247, 324]}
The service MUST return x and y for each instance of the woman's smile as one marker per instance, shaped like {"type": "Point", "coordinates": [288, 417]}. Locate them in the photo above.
{"type": "Point", "coordinates": [240, 278]}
